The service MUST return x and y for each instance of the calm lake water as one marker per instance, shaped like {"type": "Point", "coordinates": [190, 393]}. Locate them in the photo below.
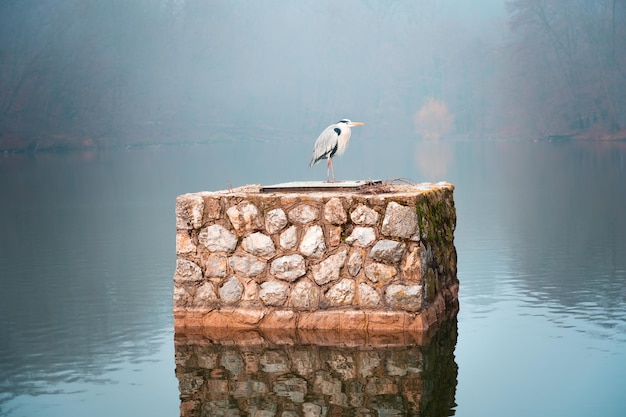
{"type": "Point", "coordinates": [87, 258]}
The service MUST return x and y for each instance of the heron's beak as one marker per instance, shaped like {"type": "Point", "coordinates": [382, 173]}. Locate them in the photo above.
{"type": "Point", "coordinates": [356, 124]}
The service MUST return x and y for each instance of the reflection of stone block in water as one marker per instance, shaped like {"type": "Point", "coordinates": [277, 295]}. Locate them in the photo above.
{"type": "Point", "coordinates": [252, 375]}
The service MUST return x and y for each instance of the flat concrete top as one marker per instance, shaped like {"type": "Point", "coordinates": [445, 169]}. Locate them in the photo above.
{"type": "Point", "coordinates": [304, 186]}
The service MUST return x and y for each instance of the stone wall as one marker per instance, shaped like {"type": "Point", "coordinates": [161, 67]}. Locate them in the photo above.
{"type": "Point", "coordinates": [381, 260]}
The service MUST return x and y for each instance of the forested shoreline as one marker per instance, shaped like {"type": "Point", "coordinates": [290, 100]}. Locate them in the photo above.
{"type": "Point", "coordinates": [77, 74]}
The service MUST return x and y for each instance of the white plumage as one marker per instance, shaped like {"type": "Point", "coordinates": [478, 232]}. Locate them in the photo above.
{"type": "Point", "coordinates": [332, 141]}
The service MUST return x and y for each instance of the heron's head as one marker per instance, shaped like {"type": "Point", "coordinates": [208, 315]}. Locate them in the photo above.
{"type": "Point", "coordinates": [350, 123]}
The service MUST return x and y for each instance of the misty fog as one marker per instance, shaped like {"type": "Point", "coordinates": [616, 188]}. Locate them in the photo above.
{"type": "Point", "coordinates": [76, 73]}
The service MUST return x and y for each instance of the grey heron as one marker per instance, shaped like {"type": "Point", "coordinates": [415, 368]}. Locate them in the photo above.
{"type": "Point", "coordinates": [332, 141]}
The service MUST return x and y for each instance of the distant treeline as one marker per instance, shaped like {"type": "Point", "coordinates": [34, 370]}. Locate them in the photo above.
{"type": "Point", "coordinates": [79, 73]}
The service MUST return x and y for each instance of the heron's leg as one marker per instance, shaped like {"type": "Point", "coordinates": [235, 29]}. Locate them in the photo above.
{"type": "Point", "coordinates": [332, 169]}
{"type": "Point", "coordinates": [329, 165]}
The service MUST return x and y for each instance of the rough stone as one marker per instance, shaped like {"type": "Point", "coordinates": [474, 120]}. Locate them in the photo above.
{"type": "Point", "coordinates": [245, 216]}
{"type": "Point", "coordinates": [388, 251]}
{"type": "Point", "coordinates": [214, 266]}
{"type": "Point", "coordinates": [364, 215]}
{"type": "Point", "coordinates": [321, 319]}
{"type": "Point", "coordinates": [212, 207]}
{"type": "Point", "coordinates": [280, 319]}
{"type": "Point", "coordinates": [184, 244]}
{"type": "Point", "coordinates": [216, 238]}
{"type": "Point", "coordinates": [411, 268]}
{"type": "Point", "coordinates": [274, 293]}
{"type": "Point", "coordinates": [189, 210]}
{"type": "Point", "coordinates": [313, 242]}
{"type": "Point", "coordinates": [275, 220]}
{"type": "Point", "coordinates": [288, 268]}
{"type": "Point", "coordinates": [400, 221]}
{"type": "Point", "coordinates": [181, 297]}
{"type": "Point", "coordinates": [259, 244]}
{"type": "Point", "coordinates": [406, 297]}
{"type": "Point", "coordinates": [231, 291]}
{"type": "Point", "coordinates": [289, 238]}
{"type": "Point", "coordinates": [328, 270]}
{"type": "Point", "coordinates": [379, 273]}
{"type": "Point", "coordinates": [247, 265]}
{"type": "Point", "coordinates": [305, 295]}
{"type": "Point", "coordinates": [368, 296]}
{"type": "Point", "coordinates": [187, 271]}
{"type": "Point", "coordinates": [205, 292]}
{"type": "Point", "coordinates": [355, 261]}
{"type": "Point", "coordinates": [334, 212]}
{"type": "Point", "coordinates": [341, 294]}
{"type": "Point", "coordinates": [361, 236]}
{"type": "Point", "coordinates": [334, 235]}
{"type": "Point", "coordinates": [250, 290]}
{"type": "Point", "coordinates": [235, 318]}
{"type": "Point", "coordinates": [304, 214]}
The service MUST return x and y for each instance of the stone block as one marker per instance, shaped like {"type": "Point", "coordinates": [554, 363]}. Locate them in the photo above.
{"type": "Point", "coordinates": [304, 214]}
{"type": "Point", "coordinates": [380, 273]}
{"type": "Point", "coordinates": [274, 293]}
{"type": "Point", "coordinates": [231, 291]}
{"type": "Point", "coordinates": [189, 211]}
{"type": "Point", "coordinates": [245, 216]}
{"type": "Point", "coordinates": [212, 207]}
{"type": "Point", "coordinates": [342, 293]}
{"type": "Point", "coordinates": [289, 238]}
{"type": "Point", "coordinates": [184, 244]}
{"type": "Point", "coordinates": [334, 235]}
{"type": "Point", "coordinates": [321, 260]}
{"type": "Point", "coordinates": [321, 320]}
{"type": "Point", "coordinates": [289, 267]}
{"type": "Point", "coordinates": [364, 215]}
{"type": "Point", "coordinates": [233, 318]}
{"type": "Point", "coordinates": [368, 297]}
{"type": "Point", "coordinates": [275, 220]}
{"type": "Point", "coordinates": [247, 265]}
{"type": "Point", "coordinates": [205, 293]}
{"type": "Point", "coordinates": [400, 221]}
{"type": "Point", "coordinates": [411, 267]}
{"type": "Point", "coordinates": [259, 244]}
{"type": "Point", "coordinates": [214, 265]}
{"type": "Point", "coordinates": [313, 244]}
{"type": "Point", "coordinates": [387, 320]}
{"type": "Point", "coordinates": [216, 238]}
{"type": "Point", "coordinates": [361, 236]}
{"type": "Point", "coordinates": [305, 295]}
{"type": "Point", "coordinates": [387, 251]}
{"type": "Point", "coordinates": [279, 319]}
{"type": "Point", "coordinates": [405, 297]}
{"type": "Point", "coordinates": [355, 261]}
{"type": "Point", "coordinates": [334, 213]}
{"type": "Point", "coordinates": [353, 320]}
{"type": "Point", "coordinates": [187, 271]}
{"type": "Point", "coordinates": [328, 270]}
{"type": "Point", "coordinates": [250, 290]}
